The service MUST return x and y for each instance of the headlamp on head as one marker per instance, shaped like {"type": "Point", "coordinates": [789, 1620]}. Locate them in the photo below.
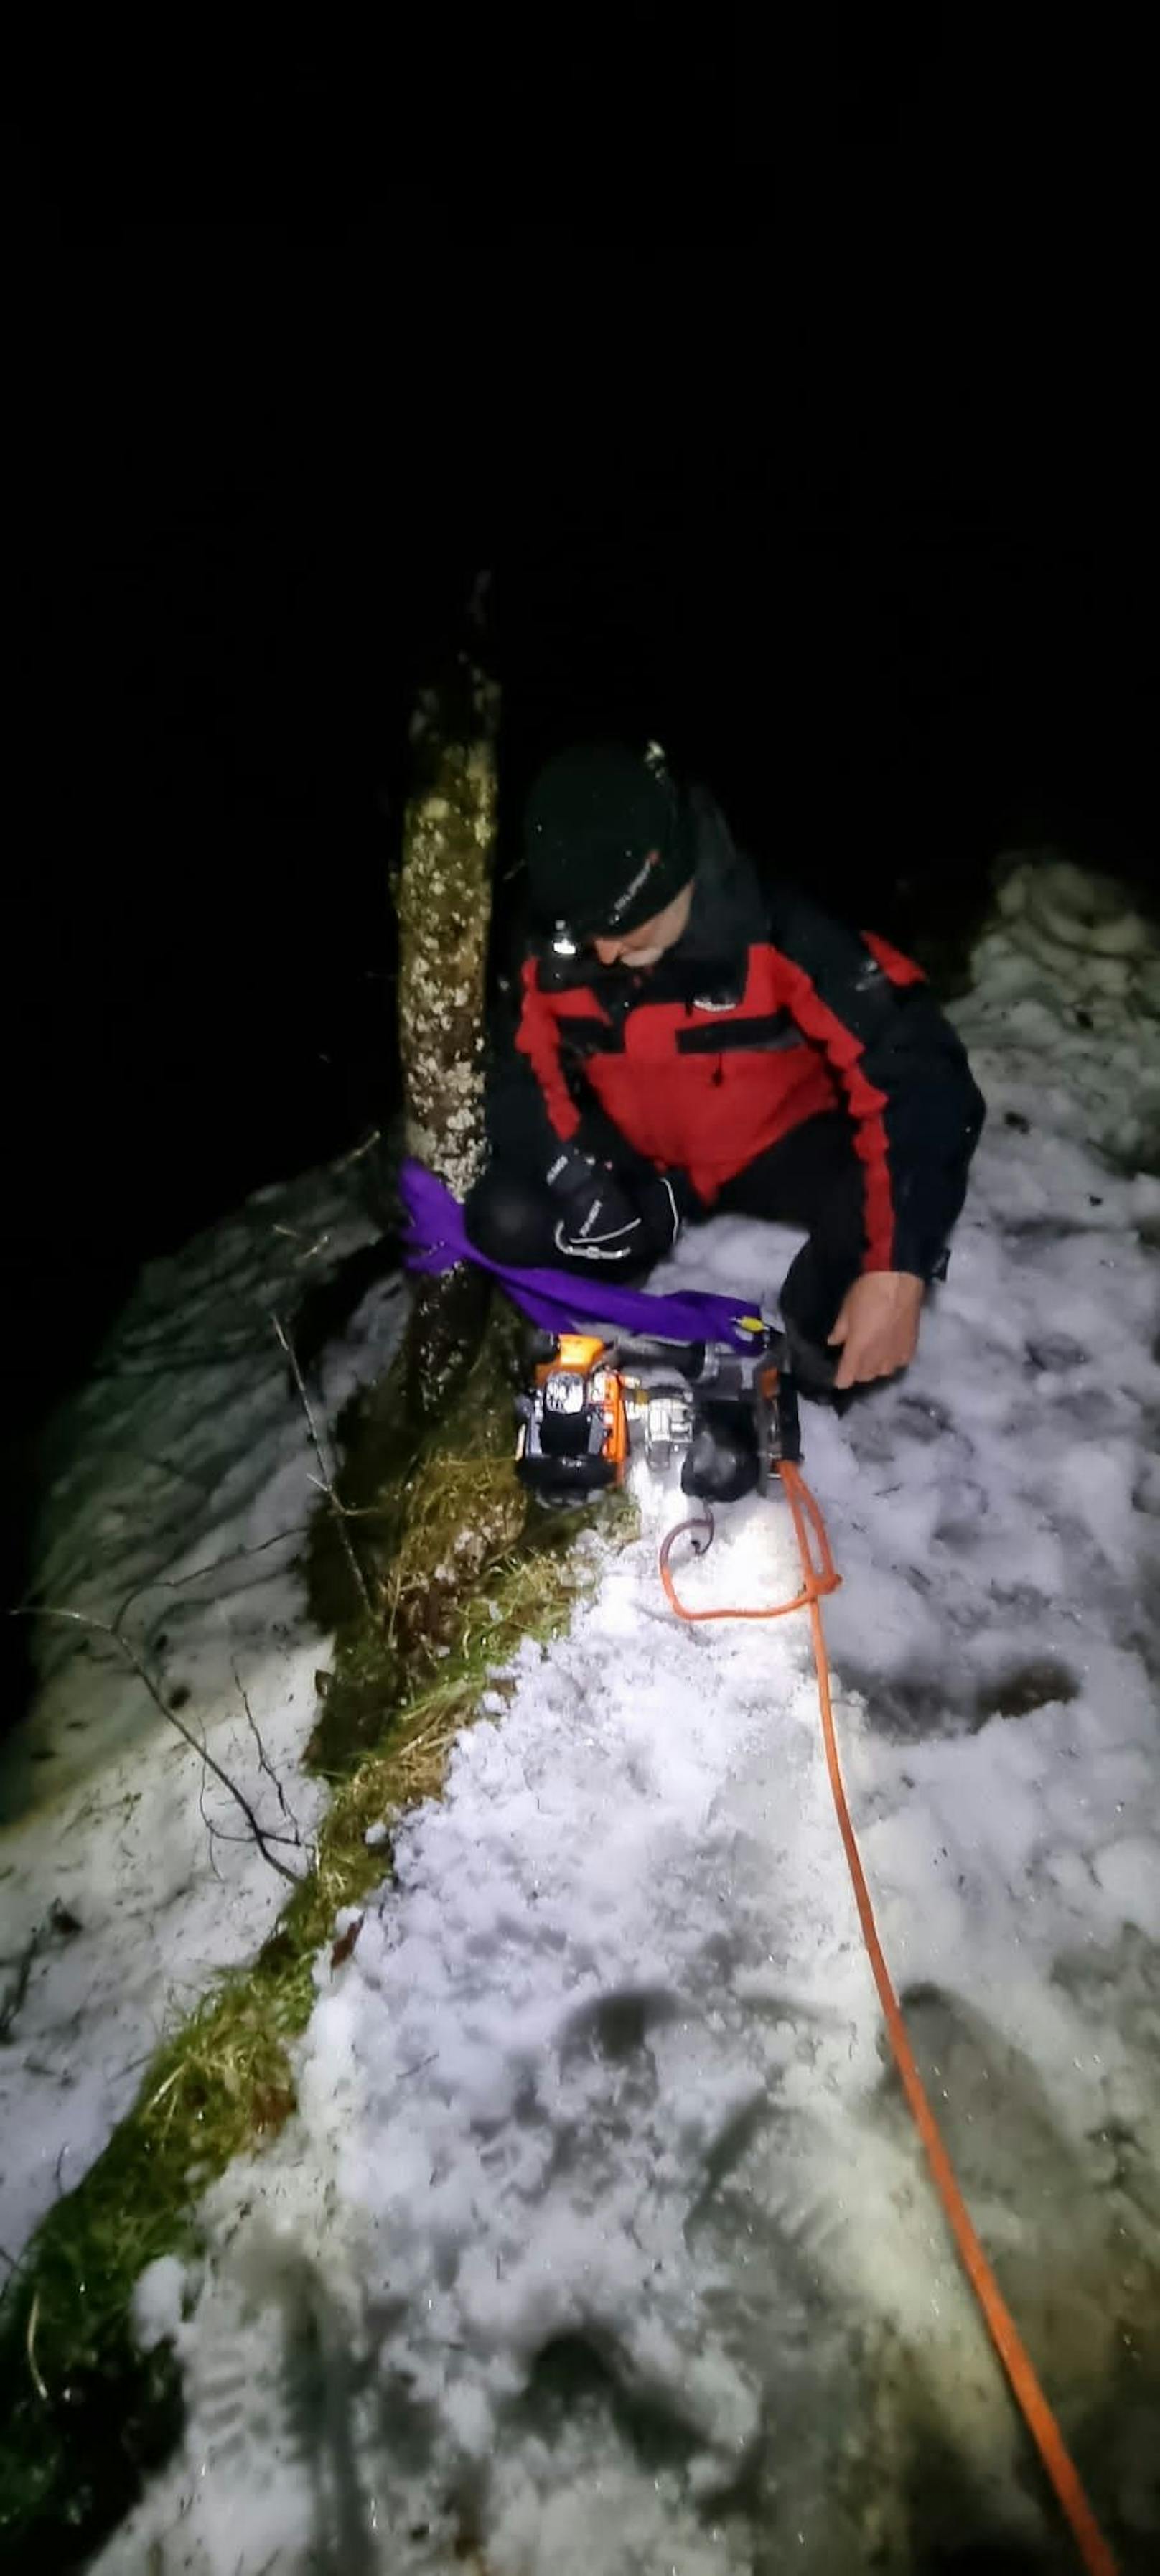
{"type": "Point", "coordinates": [608, 844]}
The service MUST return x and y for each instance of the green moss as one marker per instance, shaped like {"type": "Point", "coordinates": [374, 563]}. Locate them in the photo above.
{"type": "Point", "coordinates": [84, 2414]}
{"type": "Point", "coordinates": [427, 1516]}
{"type": "Point", "coordinates": [403, 1488]}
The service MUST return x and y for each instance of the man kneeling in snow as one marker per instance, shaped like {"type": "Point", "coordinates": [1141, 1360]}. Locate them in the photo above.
{"type": "Point", "coordinates": [690, 1042]}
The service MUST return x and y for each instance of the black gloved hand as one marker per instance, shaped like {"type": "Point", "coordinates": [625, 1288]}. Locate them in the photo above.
{"type": "Point", "coordinates": [722, 1462]}
{"type": "Point", "coordinates": [605, 1219]}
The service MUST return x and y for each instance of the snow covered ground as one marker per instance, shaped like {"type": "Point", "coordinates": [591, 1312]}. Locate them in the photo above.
{"type": "Point", "coordinates": [182, 1497]}
{"type": "Point", "coordinates": [600, 2241]}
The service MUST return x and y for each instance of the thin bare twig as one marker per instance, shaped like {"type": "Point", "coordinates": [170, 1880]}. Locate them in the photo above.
{"type": "Point", "coordinates": [357, 1152]}
{"type": "Point", "coordinates": [212, 1830]}
{"type": "Point", "coordinates": [264, 1762]}
{"type": "Point", "coordinates": [293, 1234]}
{"type": "Point", "coordinates": [30, 2349]}
{"type": "Point", "coordinates": [230, 1556]}
{"type": "Point", "coordinates": [102, 1627]}
{"type": "Point", "coordinates": [328, 1481]}
{"type": "Point", "coordinates": [11, 2002]}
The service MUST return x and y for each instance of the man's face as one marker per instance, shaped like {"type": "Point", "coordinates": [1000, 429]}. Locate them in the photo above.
{"type": "Point", "coordinates": [644, 945]}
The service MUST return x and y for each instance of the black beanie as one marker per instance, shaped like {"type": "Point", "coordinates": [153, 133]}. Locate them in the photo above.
{"type": "Point", "coordinates": [606, 839]}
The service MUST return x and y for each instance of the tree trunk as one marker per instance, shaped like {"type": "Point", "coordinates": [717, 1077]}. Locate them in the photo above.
{"type": "Point", "coordinates": [444, 906]}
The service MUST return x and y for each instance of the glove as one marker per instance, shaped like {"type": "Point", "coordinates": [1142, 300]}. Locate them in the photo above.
{"type": "Point", "coordinates": [722, 1461]}
{"type": "Point", "coordinates": [606, 1220]}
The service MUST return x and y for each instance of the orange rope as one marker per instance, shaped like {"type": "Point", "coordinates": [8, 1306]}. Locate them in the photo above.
{"type": "Point", "coordinates": [819, 1577]}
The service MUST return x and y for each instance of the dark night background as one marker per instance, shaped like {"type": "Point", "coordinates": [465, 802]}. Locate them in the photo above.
{"type": "Point", "coordinates": [817, 448]}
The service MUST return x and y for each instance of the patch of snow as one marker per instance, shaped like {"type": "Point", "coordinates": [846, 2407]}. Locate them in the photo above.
{"type": "Point", "coordinates": [158, 2301]}
{"type": "Point", "coordinates": [184, 1486]}
{"type": "Point", "coordinates": [601, 2241]}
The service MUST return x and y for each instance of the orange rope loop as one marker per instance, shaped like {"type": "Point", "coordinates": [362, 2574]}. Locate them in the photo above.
{"type": "Point", "coordinates": [820, 1576]}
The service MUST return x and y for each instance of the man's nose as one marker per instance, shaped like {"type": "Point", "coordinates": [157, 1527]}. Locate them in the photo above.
{"type": "Point", "coordinates": [608, 950]}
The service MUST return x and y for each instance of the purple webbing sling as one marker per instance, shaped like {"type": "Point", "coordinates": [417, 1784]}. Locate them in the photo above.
{"type": "Point", "coordinates": [437, 1238]}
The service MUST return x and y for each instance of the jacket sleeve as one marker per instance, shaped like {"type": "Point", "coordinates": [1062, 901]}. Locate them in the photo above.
{"type": "Point", "coordinates": [524, 1073]}
{"type": "Point", "coordinates": [916, 1110]}
{"type": "Point", "coordinates": [538, 1041]}
{"type": "Point", "coordinates": [533, 1108]}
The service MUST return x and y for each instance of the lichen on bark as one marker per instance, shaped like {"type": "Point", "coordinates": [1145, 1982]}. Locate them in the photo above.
{"type": "Point", "coordinates": [443, 898]}
{"type": "Point", "coordinates": [444, 907]}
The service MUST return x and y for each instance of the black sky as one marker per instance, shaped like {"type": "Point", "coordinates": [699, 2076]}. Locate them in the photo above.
{"type": "Point", "coordinates": [809, 437]}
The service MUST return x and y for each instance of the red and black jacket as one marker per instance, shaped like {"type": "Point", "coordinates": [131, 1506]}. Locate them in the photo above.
{"type": "Point", "coordinates": [765, 1014]}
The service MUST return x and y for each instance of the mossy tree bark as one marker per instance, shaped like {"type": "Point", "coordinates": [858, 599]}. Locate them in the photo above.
{"type": "Point", "coordinates": [443, 895]}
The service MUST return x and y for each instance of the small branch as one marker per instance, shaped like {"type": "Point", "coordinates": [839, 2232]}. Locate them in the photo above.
{"type": "Point", "coordinates": [264, 1762]}
{"type": "Point", "coordinates": [291, 1232]}
{"type": "Point", "coordinates": [328, 1481]}
{"type": "Point", "coordinates": [231, 1556]}
{"type": "Point", "coordinates": [212, 1830]}
{"type": "Point", "coordinates": [12, 2001]}
{"type": "Point", "coordinates": [30, 2349]}
{"type": "Point", "coordinates": [102, 1628]}
{"type": "Point", "coordinates": [358, 1151]}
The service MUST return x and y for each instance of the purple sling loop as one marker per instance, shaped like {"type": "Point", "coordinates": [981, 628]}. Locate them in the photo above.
{"type": "Point", "coordinates": [437, 1238]}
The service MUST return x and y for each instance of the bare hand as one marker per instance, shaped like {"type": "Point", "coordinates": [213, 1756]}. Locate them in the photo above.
{"type": "Point", "coordinates": [877, 1325]}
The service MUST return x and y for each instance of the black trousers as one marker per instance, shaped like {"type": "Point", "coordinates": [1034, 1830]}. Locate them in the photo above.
{"type": "Point", "coordinates": [813, 1179]}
